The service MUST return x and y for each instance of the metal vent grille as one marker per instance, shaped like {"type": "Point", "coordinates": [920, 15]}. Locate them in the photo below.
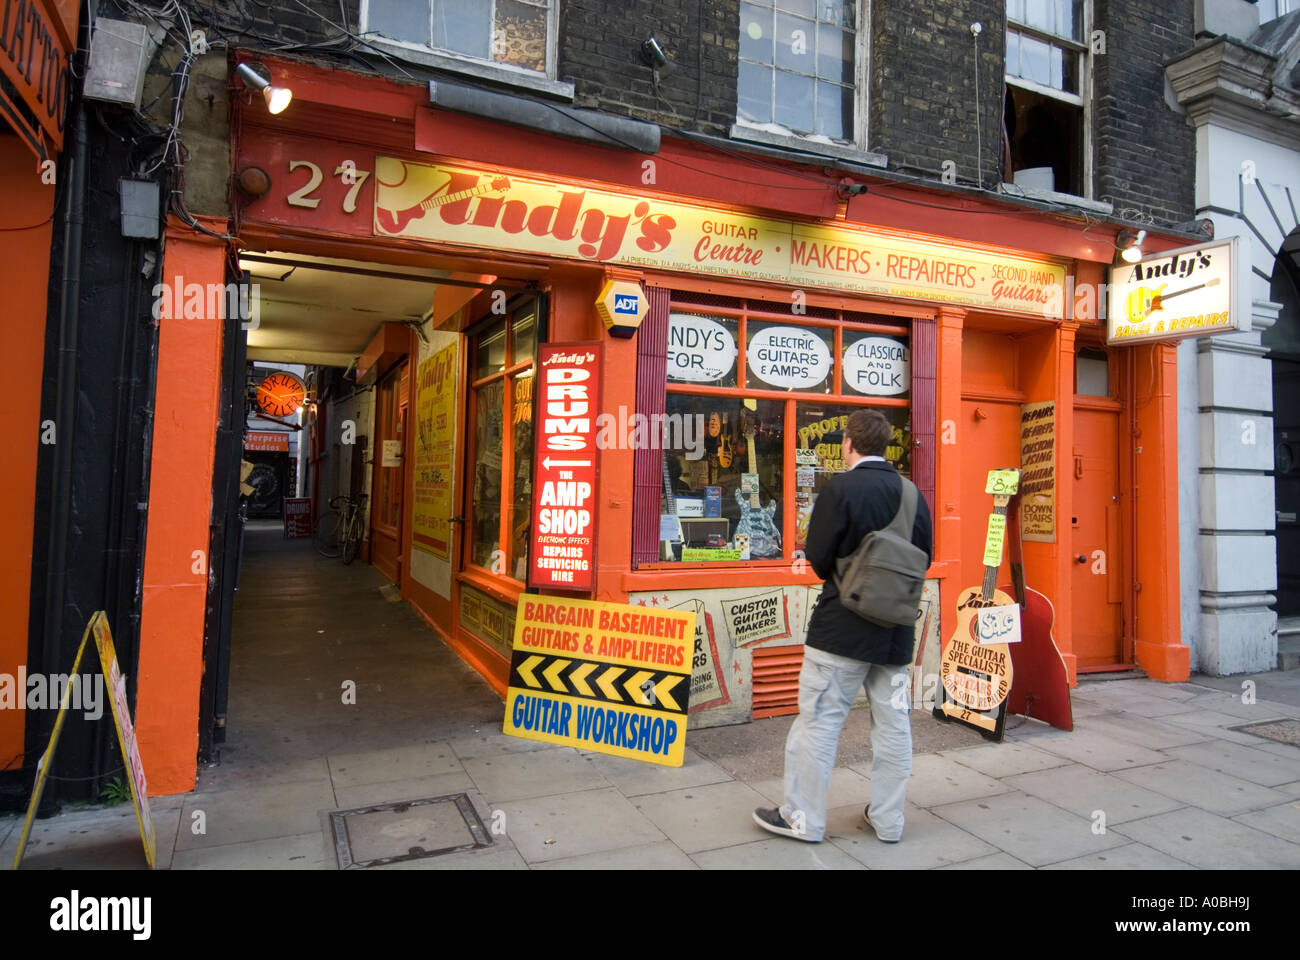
{"type": "Point", "coordinates": [776, 680]}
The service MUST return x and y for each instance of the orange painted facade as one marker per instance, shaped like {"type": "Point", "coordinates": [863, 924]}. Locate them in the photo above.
{"type": "Point", "coordinates": [987, 363]}
{"type": "Point", "coordinates": [26, 231]}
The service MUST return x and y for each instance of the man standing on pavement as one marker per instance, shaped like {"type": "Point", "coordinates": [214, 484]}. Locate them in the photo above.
{"type": "Point", "coordinates": [844, 651]}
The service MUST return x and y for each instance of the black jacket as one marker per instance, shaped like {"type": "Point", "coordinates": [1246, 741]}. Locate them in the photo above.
{"type": "Point", "coordinates": [853, 504]}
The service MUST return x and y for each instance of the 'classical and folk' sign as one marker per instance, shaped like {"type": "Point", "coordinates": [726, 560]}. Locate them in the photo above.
{"type": "Point", "coordinates": [563, 536]}
{"type": "Point", "coordinates": [878, 366]}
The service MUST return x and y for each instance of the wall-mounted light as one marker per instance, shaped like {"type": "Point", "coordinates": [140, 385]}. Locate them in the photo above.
{"type": "Point", "coordinates": [1129, 244]}
{"type": "Point", "coordinates": [277, 98]}
{"type": "Point", "coordinates": [652, 54]}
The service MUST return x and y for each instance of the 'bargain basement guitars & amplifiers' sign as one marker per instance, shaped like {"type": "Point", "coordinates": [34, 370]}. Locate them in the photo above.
{"type": "Point", "coordinates": [607, 677]}
{"type": "Point", "coordinates": [563, 551]}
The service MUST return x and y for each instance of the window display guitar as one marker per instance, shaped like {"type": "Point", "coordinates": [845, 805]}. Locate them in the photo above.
{"type": "Point", "coordinates": [755, 519]}
{"type": "Point", "coordinates": [395, 221]}
{"type": "Point", "coordinates": [975, 678]}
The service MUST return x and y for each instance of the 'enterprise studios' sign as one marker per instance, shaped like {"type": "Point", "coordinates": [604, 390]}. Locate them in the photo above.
{"type": "Point", "coordinates": [1182, 293]}
{"type": "Point", "coordinates": [480, 207]}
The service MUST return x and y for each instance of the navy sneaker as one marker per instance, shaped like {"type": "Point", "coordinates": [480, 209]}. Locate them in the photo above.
{"type": "Point", "coordinates": [866, 815]}
{"type": "Point", "coordinates": [770, 819]}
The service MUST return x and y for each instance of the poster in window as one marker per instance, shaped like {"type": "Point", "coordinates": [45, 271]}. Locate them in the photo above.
{"type": "Point", "coordinates": [1038, 472]}
{"type": "Point", "coordinates": [435, 447]}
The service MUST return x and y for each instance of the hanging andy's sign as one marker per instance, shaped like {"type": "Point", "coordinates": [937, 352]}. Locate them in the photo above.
{"type": "Point", "coordinates": [563, 537]}
{"type": "Point", "coordinates": [483, 207]}
{"type": "Point", "coordinates": [1176, 294]}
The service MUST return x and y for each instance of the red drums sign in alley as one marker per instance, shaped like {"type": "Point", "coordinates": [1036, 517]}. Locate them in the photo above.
{"type": "Point", "coordinates": [564, 464]}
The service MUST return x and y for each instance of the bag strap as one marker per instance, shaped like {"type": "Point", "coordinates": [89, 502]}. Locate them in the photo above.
{"type": "Point", "coordinates": [905, 518]}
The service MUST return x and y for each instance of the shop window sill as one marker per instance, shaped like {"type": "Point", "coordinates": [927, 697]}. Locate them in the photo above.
{"type": "Point", "coordinates": [1053, 196]}
{"type": "Point", "coordinates": [479, 69]}
{"type": "Point", "coordinates": [500, 588]}
{"type": "Point", "coordinates": [741, 131]}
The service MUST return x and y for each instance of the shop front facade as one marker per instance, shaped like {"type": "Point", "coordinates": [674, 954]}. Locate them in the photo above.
{"type": "Point", "coordinates": [764, 302]}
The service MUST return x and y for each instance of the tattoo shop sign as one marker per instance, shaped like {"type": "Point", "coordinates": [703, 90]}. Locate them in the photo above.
{"type": "Point", "coordinates": [608, 677]}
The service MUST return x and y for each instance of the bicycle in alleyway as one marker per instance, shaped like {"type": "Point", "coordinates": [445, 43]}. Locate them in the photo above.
{"type": "Point", "coordinates": [339, 532]}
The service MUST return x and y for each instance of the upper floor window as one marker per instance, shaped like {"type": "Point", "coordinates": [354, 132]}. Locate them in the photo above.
{"type": "Point", "coordinates": [1047, 81]}
{"type": "Point", "coordinates": [517, 34]}
{"type": "Point", "coordinates": [797, 67]}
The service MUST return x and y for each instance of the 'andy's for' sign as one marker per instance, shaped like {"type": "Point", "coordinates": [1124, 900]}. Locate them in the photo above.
{"type": "Point", "coordinates": [564, 494]}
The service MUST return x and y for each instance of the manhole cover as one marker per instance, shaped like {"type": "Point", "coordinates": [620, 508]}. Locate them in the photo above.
{"type": "Point", "coordinates": [1283, 731]}
{"type": "Point", "coordinates": [406, 830]}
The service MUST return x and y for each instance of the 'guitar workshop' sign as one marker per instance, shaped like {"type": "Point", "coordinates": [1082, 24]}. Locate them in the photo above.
{"type": "Point", "coordinates": [1175, 294]}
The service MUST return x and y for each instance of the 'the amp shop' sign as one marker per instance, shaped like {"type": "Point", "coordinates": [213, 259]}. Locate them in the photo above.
{"type": "Point", "coordinates": [564, 464]}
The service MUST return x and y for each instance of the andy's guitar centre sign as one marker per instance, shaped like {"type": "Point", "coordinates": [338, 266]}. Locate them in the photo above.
{"type": "Point", "coordinates": [1180, 293]}
{"type": "Point", "coordinates": [563, 538]}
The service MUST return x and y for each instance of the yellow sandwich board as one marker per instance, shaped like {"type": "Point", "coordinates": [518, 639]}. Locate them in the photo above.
{"type": "Point", "coordinates": [601, 676]}
{"type": "Point", "coordinates": [98, 628]}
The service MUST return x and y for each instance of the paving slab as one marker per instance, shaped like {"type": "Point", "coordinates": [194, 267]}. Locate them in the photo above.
{"type": "Point", "coordinates": [419, 788]}
{"type": "Point", "coordinates": [519, 776]}
{"type": "Point", "coordinates": [937, 779]}
{"type": "Point", "coordinates": [1144, 731]}
{"type": "Point", "coordinates": [1237, 760]}
{"type": "Point", "coordinates": [233, 776]}
{"type": "Point", "coordinates": [1199, 786]}
{"type": "Point", "coordinates": [1131, 856]}
{"type": "Point", "coordinates": [664, 855]}
{"type": "Point", "coordinates": [1285, 750]}
{"type": "Point", "coordinates": [847, 787]}
{"type": "Point", "coordinates": [1098, 751]}
{"type": "Point", "coordinates": [1218, 723]}
{"type": "Point", "coordinates": [1005, 759]}
{"type": "Point", "coordinates": [927, 842]}
{"type": "Point", "coordinates": [777, 853]}
{"type": "Point", "coordinates": [1083, 791]}
{"type": "Point", "coordinates": [707, 817]}
{"type": "Point", "coordinates": [495, 744]}
{"type": "Point", "coordinates": [1211, 842]}
{"type": "Point", "coordinates": [574, 824]}
{"type": "Point", "coordinates": [636, 777]}
{"type": "Point", "coordinates": [1029, 829]}
{"type": "Point", "coordinates": [1153, 688]}
{"type": "Point", "coordinates": [1291, 790]}
{"type": "Point", "coordinates": [398, 763]}
{"type": "Point", "coordinates": [994, 861]}
{"type": "Point", "coordinates": [499, 856]}
{"type": "Point", "coordinates": [1281, 821]}
{"type": "Point", "coordinates": [306, 851]}
{"type": "Point", "coordinates": [257, 813]}
{"type": "Point", "coordinates": [96, 839]}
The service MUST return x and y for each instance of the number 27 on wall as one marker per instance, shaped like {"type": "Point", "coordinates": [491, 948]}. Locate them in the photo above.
{"type": "Point", "coordinates": [347, 171]}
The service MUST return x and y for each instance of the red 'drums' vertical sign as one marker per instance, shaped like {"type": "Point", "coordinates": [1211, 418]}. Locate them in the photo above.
{"type": "Point", "coordinates": [567, 402]}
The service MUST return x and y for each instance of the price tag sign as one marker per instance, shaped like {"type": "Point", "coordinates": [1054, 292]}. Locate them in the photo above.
{"type": "Point", "coordinates": [996, 537]}
{"type": "Point", "coordinates": [1000, 624]}
{"type": "Point", "coordinates": [1003, 482]}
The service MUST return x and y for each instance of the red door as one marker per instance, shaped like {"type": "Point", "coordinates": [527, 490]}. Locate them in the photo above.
{"type": "Point", "coordinates": [390, 474]}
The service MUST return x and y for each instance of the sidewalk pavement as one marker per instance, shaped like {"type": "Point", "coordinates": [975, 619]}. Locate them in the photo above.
{"type": "Point", "coordinates": [1153, 776]}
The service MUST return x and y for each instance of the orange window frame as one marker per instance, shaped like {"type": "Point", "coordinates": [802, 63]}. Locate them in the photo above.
{"type": "Point", "coordinates": [766, 311]}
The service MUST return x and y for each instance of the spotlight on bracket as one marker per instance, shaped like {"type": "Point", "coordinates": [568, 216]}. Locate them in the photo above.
{"type": "Point", "coordinates": [652, 55]}
{"type": "Point", "coordinates": [1129, 244]}
{"type": "Point", "coordinates": [277, 98]}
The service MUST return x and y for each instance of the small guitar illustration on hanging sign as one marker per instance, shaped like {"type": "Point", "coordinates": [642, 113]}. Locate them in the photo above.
{"type": "Point", "coordinates": [1145, 301]}
{"type": "Point", "coordinates": [395, 221]}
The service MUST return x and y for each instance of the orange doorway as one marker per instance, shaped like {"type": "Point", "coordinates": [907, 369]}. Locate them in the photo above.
{"type": "Point", "coordinates": [1096, 546]}
{"type": "Point", "coordinates": [390, 473]}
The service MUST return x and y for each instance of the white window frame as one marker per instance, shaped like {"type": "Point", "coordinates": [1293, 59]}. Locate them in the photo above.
{"type": "Point", "coordinates": [486, 69]}
{"type": "Point", "coordinates": [1083, 99]}
{"type": "Point", "coordinates": [857, 149]}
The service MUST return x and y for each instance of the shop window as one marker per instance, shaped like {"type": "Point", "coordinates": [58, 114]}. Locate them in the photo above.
{"type": "Point", "coordinates": [751, 436]}
{"type": "Point", "coordinates": [515, 34]}
{"type": "Point", "coordinates": [501, 433]}
{"type": "Point", "coordinates": [797, 68]}
{"type": "Point", "coordinates": [1045, 113]}
{"type": "Point", "coordinates": [1092, 373]}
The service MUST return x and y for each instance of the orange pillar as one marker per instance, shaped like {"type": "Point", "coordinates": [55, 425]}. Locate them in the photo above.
{"type": "Point", "coordinates": [947, 492]}
{"type": "Point", "coordinates": [1158, 647]}
{"type": "Point", "coordinates": [25, 231]}
{"type": "Point", "coordinates": [180, 502]}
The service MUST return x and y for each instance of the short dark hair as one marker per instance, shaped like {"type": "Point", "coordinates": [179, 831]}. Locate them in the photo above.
{"type": "Point", "coordinates": [869, 432]}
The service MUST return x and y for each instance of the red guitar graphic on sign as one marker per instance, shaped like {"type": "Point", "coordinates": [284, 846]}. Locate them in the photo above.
{"type": "Point", "coordinates": [395, 221]}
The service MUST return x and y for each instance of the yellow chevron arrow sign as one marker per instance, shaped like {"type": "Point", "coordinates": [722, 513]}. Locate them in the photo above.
{"type": "Point", "coordinates": [526, 670]}
{"type": "Point", "coordinates": [552, 675]}
{"type": "Point", "coordinates": [662, 689]}
{"type": "Point", "coordinates": [579, 679]}
{"type": "Point", "coordinates": [633, 686]}
{"type": "Point", "coordinates": [606, 683]}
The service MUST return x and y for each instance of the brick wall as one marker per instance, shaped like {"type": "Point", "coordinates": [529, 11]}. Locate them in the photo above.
{"type": "Point", "coordinates": [922, 101]}
{"type": "Point", "coordinates": [1143, 150]}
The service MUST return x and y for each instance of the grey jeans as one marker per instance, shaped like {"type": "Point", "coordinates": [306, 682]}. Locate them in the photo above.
{"type": "Point", "coordinates": [828, 685]}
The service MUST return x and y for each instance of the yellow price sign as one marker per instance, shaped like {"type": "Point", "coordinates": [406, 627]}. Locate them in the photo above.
{"type": "Point", "coordinates": [1003, 482]}
{"type": "Point", "coordinates": [996, 537]}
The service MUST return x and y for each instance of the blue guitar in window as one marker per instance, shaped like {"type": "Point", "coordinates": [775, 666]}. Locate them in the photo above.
{"type": "Point", "coordinates": [755, 519]}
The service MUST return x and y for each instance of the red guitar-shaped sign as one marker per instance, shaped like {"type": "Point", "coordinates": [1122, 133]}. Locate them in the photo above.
{"type": "Point", "coordinates": [395, 221]}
